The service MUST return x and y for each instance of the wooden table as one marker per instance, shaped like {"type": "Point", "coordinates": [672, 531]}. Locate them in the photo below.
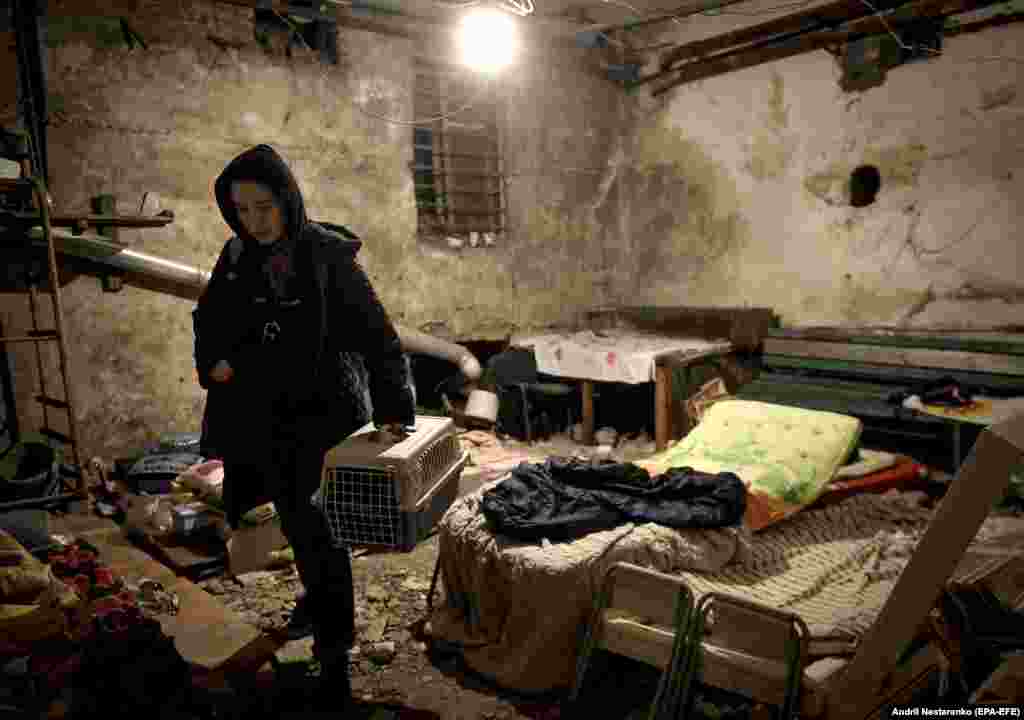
{"type": "Point", "coordinates": [664, 422]}
{"type": "Point", "coordinates": [621, 355]}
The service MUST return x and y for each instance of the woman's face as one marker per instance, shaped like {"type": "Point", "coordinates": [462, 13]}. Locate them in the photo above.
{"type": "Point", "coordinates": [258, 211]}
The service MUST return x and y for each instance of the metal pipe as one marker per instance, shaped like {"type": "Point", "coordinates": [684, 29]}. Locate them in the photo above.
{"type": "Point", "coordinates": [424, 344]}
{"type": "Point", "coordinates": [96, 255]}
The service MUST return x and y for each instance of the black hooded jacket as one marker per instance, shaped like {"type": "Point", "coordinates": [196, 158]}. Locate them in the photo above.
{"type": "Point", "coordinates": [307, 383]}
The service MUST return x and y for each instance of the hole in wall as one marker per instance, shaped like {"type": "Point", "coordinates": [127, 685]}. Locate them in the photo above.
{"type": "Point", "coordinates": [865, 182]}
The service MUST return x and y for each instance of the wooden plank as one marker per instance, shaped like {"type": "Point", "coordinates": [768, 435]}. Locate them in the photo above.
{"type": "Point", "coordinates": [733, 60]}
{"type": "Point", "coordinates": [917, 357]}
{"type": "Point", "coordinates": [814, 18]}
{"type": "Point", "coordinates": [587, 388]}
{"type": "Point", "coordinates": [662, 406]}
{"type": "Point", "coordinates": [901, 376]}
{"type": "Point", "coordinates": [980, 481]}
{"type": "Point", "coordinates": [978, 342]}
{"type": "Point", "coordinates": [864, 388]}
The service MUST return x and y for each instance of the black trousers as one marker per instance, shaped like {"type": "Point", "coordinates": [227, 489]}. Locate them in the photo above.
{"type": "Point", "coordinates": [325, 568]}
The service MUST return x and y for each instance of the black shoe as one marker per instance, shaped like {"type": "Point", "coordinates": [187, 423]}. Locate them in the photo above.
{"type": "Point", "coordinates": [300, 624]}
{"type": "Point", "coordinates": [334, 689]}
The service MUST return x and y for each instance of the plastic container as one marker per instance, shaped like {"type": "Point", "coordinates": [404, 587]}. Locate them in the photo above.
{"type": "Point", "coordinates": [482, 406]}
{"type": "Point", "coordinates": [376, 492]}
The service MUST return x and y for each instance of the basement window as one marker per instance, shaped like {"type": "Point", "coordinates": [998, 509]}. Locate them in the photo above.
{"type": "Point", "coordinates": [457, 166]}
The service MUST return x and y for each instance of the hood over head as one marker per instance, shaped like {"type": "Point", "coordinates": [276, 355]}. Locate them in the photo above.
{"type": "Point", "coordinates": [262, 164]}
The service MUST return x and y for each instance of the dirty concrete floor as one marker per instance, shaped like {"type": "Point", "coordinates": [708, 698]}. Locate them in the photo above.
{"type": "Point", "coordinates": [392, 663]}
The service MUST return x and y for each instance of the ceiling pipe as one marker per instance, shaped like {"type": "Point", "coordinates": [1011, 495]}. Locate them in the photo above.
{"type": "Point", "coordinates": [92, 254]}
{"type": "Point", "coordinates": [723, 63]}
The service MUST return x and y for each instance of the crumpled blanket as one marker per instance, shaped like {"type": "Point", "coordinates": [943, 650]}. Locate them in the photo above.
{"type": "Point", "coordinates": [565, 498]}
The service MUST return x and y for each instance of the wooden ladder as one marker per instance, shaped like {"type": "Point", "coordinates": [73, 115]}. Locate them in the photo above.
{"type": "Point", "coordinates": [40, 335]}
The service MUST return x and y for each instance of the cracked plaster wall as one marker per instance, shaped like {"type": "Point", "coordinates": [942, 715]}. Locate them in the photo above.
{"type": "Point", "coordinates": [165, 121]}
{"type": "Point", "coordinates": [739, 189]}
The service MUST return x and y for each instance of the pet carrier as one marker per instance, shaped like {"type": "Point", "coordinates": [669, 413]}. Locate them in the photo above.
{"type": "Point", "coordinates": [375, 492]}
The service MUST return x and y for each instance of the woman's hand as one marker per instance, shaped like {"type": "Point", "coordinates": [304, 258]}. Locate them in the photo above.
{"type": "Point", "coordinates": [396, 430]}
{"type": "Point", "coordinates": [222, 372]}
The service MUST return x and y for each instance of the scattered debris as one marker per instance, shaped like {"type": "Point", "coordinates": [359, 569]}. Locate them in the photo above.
{"type": "Point", "coordinates": [382, 653]}
{"type": "Point", "coordinates": [256, 577]}
{"type": "Point", "coordinates": [296, 651]}
{"type": "Point", "coordinates": [376, 627]}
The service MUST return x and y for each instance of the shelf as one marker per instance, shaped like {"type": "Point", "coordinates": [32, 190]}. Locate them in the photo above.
{"type": "Point", "coordinates": [72, 221]}
{"type": "Point", "coordinates": [40, 337]}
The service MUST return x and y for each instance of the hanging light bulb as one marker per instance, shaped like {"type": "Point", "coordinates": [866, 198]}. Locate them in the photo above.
{"type": "Point", "coordinates": [487, 39]}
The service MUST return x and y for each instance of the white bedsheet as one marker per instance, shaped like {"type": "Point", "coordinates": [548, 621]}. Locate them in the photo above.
{"type": "Point", "coordinates": [610, 356]}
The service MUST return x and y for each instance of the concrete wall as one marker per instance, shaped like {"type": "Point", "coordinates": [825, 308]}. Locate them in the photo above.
{"type": "Point", "coordinates": [739, 188]}
{"type": "Point", "coordinates": [165, 120]}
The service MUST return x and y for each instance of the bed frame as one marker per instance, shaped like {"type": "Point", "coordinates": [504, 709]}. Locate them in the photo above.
{"type": "Point", "coordinates": [832, 688]}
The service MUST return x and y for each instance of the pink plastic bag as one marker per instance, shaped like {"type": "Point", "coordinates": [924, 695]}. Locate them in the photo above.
{"type": "Point", "coordinates": [206, 479]}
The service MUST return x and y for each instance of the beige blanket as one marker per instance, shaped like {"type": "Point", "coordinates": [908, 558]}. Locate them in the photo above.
{"type": "Point", "coordinates": [517, 610]}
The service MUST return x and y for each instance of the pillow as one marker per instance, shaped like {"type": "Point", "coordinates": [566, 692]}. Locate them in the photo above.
{"type": "Point", "coordinates": [786, 456]}
{"type": "Point", "coordinates": [22, 577]}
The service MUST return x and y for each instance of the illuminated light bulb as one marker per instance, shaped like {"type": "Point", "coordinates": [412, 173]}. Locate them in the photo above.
{"type": "Point", "coordinates": [487, 38]}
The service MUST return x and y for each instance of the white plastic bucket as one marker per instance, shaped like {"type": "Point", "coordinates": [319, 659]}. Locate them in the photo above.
{"type": "Point", "coordinates": [482, 405]}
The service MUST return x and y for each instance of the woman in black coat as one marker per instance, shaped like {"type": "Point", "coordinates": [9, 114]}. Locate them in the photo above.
{"type": "Point", "coordinates": [286, 333]}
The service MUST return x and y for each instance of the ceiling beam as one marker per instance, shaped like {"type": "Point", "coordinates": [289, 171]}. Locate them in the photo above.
{"type": "Point", "coordinates": [690, 8]}
{"type": "Point", "coordinates": [733, 60]}
{"type": "Point", "coordinates": [818, 18]}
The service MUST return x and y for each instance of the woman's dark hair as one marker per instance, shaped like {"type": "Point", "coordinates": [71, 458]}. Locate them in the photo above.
{"type": "Point", "coordinates": [865, 182]}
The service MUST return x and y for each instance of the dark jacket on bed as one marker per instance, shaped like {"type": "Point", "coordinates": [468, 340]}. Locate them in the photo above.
{"type": "Point", "coordinates": [307, 344]}
{"type": "Point", "coordinates": [563, 499]}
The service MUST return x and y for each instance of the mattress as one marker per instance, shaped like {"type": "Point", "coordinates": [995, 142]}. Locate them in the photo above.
{"type": "Point", "coordinates": [786, 456]}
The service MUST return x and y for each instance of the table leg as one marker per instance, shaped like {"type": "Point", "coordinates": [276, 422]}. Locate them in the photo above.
{"type": "Point", "coordinates": [662, 406]}
{"type": "Point", "coordinates": [588, 412]}
{"type": "Point", "coordinates": [957, 448]}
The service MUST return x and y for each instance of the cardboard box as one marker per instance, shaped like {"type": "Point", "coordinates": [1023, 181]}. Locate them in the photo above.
{"type": "Point", "coordinates": [250, 546]}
